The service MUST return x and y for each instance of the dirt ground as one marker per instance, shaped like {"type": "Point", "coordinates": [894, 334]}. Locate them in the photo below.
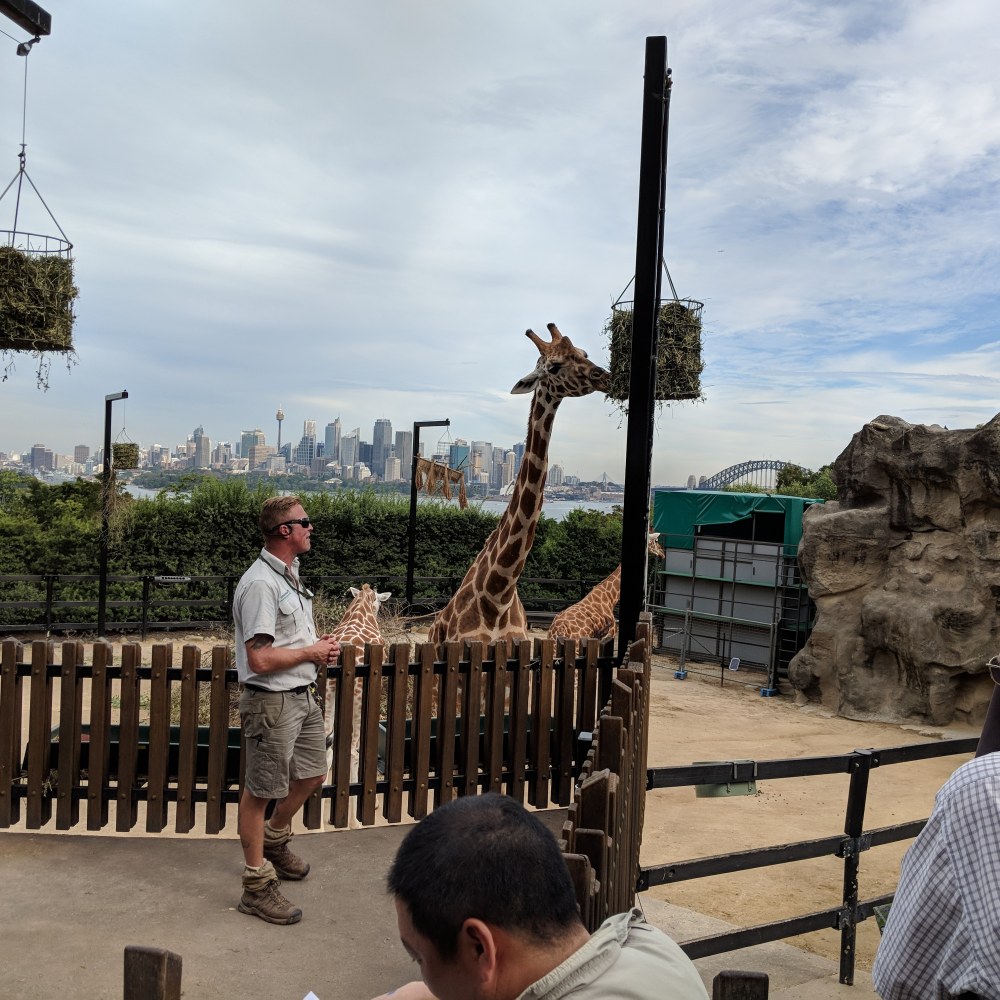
{"type": "Point", "coordinates": [699, 719]}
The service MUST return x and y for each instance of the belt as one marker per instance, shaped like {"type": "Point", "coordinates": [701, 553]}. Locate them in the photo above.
{"type": "Point", "coordinates": [302, 689]}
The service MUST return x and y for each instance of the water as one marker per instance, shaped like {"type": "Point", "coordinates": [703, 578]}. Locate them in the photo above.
{"type": "Point", "coordinates": [554, 509]}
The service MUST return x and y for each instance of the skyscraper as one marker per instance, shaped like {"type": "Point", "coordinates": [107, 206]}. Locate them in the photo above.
{"type": "Point", "coordinates": [404, 452]}
{"type": "Point", "coordinates": [248, 439]}
{"type": "Point", "coordinates": [381, 446]}
{"type": "Point", "coordinates": [518, 450]}
{"type": "Point", "coordinates": [306, 450]}
{"type": "Point", "coordinates": [349, 450]}
{"type": "Point", "coordinates": [81, 453]}
{"type": "Point", "coordinates": [459, 457]}
{"type": "Point", "coordinates": [41, 457]}
{"type": "Point", "coordinates": [202, 448]}
{"type": "Point", "coordinates": [509, 461]}
{"type": "Point", "coordinates": [393, 470]}
{"type": "Point", "coordinates": [482, 462]}
{"type": "Point", "coordinates": [331, 442]}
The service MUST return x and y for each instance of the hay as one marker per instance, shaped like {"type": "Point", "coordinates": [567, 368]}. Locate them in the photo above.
{"type": "Point", "coordinates": [678, 361]}
{"type": "Point", "coordinates": [430, 476]}
{"type": "Point", "coordinates": [36, 301]}
{"type": "Point", "coordinates": [125, 455]}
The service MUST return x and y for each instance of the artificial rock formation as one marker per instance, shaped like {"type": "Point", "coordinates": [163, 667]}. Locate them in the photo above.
{"type": "Point", "coordinates": [905, 573]}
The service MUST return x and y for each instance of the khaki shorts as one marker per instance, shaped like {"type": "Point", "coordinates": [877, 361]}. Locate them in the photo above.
{"type": "Point", "coordinates": [285, 740]}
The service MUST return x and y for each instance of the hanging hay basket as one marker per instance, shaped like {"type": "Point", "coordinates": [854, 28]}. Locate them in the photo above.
{"type": "Point", "coordinates": [36, 296]}
{"type": "Point", "coordinates": [678, 354]}
{"type": "Point", "coordinates": [125, 455]}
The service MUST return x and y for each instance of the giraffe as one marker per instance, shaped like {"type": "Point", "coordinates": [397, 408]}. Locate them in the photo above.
{"type": "Point", "coordinates": [594, 616]}
{"type": "Point", "coordinates": [486, 606]}
{"type": "Point", "coordinates": [359, 626]}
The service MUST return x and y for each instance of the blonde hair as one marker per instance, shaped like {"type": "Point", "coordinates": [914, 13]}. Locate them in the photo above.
{"type": "Point", "coordinates": [273, 512]}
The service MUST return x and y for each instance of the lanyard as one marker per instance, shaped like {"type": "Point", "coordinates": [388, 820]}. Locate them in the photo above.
{"type": "Point", "coordinates": [291, 581]}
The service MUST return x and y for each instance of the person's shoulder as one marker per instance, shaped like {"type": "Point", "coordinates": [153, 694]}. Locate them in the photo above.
{"type": "Point", "coordinates": [258, 582]}
{"type": "Point", "coordinates": [651, 953]}
{"type": "Point", "coordinates": [978, 771]}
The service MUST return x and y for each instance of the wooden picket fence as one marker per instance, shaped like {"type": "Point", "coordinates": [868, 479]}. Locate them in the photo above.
{"type": "Point", "coordinates": [435, 723]}
{"type": "Point", "coordinates": [602, 834]}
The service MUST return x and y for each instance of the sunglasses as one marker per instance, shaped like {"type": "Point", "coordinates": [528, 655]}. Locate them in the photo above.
{"type": "Point", "coordinates": [304, 521]}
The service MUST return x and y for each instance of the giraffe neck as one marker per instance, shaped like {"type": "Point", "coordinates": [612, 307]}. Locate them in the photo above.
{"type": "Point", "coordinates": [516, 531]}
{"type": "Point", "coordinates": [611, 586]}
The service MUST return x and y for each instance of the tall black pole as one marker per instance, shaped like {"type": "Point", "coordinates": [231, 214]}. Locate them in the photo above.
{"type": "Point", "coordinates": [412, 532]}
{"type": "Point", "coordinates": [645, 307]}
{"type": "Point", "coordinates": [102, 580]}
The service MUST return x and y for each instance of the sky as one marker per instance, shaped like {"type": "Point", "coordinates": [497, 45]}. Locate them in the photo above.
{"type": "Point", "coordinates": [356, 210]}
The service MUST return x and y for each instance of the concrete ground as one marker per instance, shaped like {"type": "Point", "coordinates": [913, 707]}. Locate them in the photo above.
{"type": "Point", "coordinates": [70, 903]}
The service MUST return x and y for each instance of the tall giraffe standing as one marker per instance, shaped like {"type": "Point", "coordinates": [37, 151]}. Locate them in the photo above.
{"type": "Point", "coordinates": [359, 627]}
{"type": "Point", "coordinates": [594, 616]}
{"type": "Point", "coordinates": [486, 606]}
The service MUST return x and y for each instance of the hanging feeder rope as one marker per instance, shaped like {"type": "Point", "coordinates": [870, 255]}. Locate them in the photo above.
{"type": "Point", "coordinates": [36, 274]}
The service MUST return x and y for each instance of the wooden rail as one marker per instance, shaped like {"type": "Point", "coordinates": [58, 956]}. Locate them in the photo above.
{"type": "Point", "coordinates": [435, 722]}
{"type": "Point", "coordinates": [602, 834]}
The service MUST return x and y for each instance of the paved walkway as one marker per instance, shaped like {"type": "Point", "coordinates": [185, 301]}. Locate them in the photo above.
{"type": "Point", "coordinates": [70, 903]}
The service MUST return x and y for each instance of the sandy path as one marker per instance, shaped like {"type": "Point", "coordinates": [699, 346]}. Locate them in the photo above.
{"type": "Point", "coordinates": [697, 720]}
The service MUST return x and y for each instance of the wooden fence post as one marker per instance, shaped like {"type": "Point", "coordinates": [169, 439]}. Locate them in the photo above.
{"type": "Point", "coordinates": [151, 974]}
{"type": "Point", "coordinates": [728, 985]}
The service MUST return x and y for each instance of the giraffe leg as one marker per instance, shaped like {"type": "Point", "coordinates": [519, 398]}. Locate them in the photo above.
{"type": "Point", "coordinates": [328, 713]}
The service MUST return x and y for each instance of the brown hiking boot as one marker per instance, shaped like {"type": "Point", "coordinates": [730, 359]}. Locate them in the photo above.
{"type": "Point", "coordinates": [270, 905]}
{"type": "Point", "coordinates": [288, 865]}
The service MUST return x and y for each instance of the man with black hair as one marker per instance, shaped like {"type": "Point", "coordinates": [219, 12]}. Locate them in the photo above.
{"type": "Point", "coordinates": [486, 907]}
{"type": "Point", "coordinates": [277, 657]}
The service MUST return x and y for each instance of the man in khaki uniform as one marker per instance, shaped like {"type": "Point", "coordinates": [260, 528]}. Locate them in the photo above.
{"type": "Point", "coordinates": [277, 658]}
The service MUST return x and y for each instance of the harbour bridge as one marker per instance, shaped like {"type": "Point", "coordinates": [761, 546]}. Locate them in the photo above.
{"type": "Point", "coordinates": [761, 473]}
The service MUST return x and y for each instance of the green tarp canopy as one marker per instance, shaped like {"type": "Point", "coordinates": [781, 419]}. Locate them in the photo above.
{"type": "Point", "coordinates": [676, 513]}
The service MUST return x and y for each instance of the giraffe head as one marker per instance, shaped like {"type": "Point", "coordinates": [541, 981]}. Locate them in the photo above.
{"type": "Point", "coordinates": [371, 600]}
{"type": "Point", "coordinates": [655, 548]}
{"type": "Point", "coordinates": [562, 369]}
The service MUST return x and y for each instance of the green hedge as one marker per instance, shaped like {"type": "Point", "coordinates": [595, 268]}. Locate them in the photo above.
{"type": "Point", "coordinates": [213, 532]}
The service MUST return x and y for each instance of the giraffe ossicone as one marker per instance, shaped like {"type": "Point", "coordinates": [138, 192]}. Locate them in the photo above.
{"type": "Point", "coordinates": [486, 607]}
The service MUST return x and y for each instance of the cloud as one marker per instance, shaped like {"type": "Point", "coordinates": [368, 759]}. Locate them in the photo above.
{"type": "Point", "coordinates": [356, 211]}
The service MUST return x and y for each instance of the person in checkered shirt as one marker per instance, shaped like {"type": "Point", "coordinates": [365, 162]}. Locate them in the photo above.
{"type": "Point", "coordinates": [942, 935]}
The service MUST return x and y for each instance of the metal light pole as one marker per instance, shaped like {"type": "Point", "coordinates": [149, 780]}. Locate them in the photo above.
{"type": "Point", "coordinates": [645, 309]}
{"type": "Point", "coordinates": [412, 533]}
{"type": "Point", "coordinates": [102, 585]}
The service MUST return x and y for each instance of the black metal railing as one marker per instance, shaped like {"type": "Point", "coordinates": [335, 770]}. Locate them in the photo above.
{"type": "Point", "coordinates": [848, 846]}
{"type": "Point", "coordinates": [60, 603]}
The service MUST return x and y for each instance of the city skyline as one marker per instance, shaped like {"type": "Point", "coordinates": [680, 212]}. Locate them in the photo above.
{"type": "Point", "coordinates": [439, 443]}
{"type": "Point", "coordinates": [365, 217]}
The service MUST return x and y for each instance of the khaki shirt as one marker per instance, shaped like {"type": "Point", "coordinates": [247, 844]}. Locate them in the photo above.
{"type": "Point", "coordinates": [270, 600]}
{"type": "Point", "coordinates": [625, 958]}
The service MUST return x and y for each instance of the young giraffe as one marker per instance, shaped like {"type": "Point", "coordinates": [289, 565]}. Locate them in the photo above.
{"type": "Point", "coordinates": [359, 626]}
{"type": "Point", "coordinates": [486, 605]}
{"type": "Point", "coordinates": [594, 616]}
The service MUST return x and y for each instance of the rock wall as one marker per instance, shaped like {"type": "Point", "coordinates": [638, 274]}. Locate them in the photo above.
{"type": "Point", "coordinates": [905, 573]}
